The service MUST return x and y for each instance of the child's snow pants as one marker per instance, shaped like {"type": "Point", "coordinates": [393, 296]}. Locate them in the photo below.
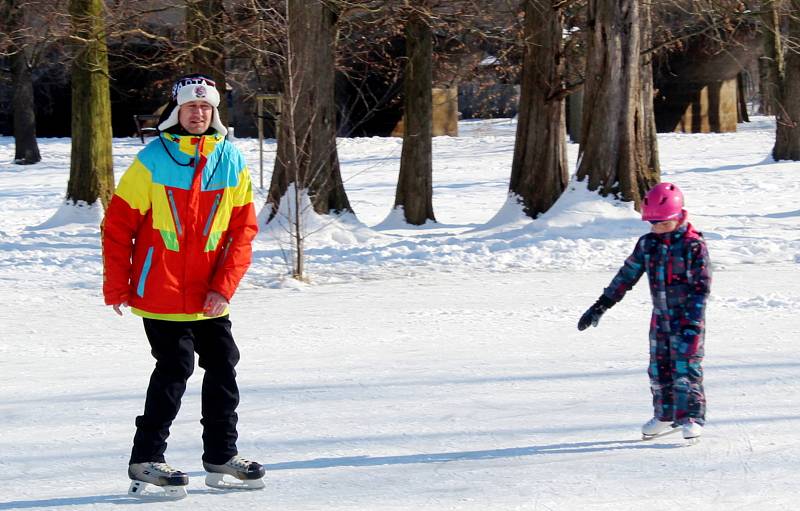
{"type": "Point", "coordinates": [676, 373]}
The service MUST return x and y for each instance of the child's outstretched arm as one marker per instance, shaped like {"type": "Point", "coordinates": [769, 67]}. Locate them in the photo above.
{"type": "Point", "coordinates": [628, 275]}
{"type": "Point", "coordinates": [626, 278]}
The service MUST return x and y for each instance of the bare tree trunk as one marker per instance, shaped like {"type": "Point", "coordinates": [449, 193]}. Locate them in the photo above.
{"type": "Point", "coordinates": [612, 153]}
{"type": "Point", "coordinates": [651, 174]}
{"type": "Point", "coordinates": [771, 65]}
{"type": "Point", "coordinates": [539, 172]}
{"type": "Point", "coordinates": [26, 148]}
{"type": "Point", "coordinates": [205, 30]}
{"type": "Point", "coordinates": [415, 183]}
{"type": "Point", "coordinates": [312, 36]}
{"type": "Point", "coordinates": [91, 168]}
{"type": "Point", "coordinates": [787, 136]}
{"type": "Point", "coordinates": [293, 160]}
{"type": "Point", "coordinates": [741, 97]}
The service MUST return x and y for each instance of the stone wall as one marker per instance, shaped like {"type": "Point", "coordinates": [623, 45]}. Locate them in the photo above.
{"type": "Point", "coordinates": [698, 108]}
{"type": "Point", "coordinates": [445, 114]}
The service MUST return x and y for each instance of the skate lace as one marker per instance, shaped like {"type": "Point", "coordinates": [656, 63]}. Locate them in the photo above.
{"type": "Point", "coordinates": [239, 462]}
{"type": "Point", "coordinates": [163, 467]}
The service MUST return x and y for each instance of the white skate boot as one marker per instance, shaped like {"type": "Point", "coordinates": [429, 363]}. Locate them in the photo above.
{"type": "Point", "coordinates": [236, 473]}
{"type": "Point", "coordinates": [156, 480]}
{"type": "Point", "coordinates": [655, 427]}
{"type": "Point", "coordinates": [692, 432]}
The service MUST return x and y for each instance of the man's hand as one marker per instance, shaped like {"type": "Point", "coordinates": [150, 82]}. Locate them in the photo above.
{"type": "Point", "coordinates": [117, 306]}
{"type": "Point", "coordinates": [215, 304]}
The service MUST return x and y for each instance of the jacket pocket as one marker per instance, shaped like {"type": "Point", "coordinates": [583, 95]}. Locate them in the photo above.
{"type": "Point", "coordinates": [211, 214]}
{"type": "Point", "coordinates": [174, 209]}
{"type": "Point", "coordinates": [224, 255]}
{"type": "Point", "coordinates": [148, 261]}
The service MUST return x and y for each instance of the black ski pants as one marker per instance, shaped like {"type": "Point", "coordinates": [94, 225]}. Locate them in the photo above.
{"type": "Point", "coordinates": [173, 345]}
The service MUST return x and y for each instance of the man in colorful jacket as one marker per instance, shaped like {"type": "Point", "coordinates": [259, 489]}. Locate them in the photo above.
{"type": "Point", "coordinates": [177, 240]}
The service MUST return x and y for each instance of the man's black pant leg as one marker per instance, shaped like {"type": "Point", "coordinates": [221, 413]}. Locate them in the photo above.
{"type": "Point", "coordinates": [172, 346]}
{"type": "Point", "coordinates": [218, 356]}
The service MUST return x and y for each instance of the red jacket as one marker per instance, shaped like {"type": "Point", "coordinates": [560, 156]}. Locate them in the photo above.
{"type": "Point", "coordinates": [180, 223]}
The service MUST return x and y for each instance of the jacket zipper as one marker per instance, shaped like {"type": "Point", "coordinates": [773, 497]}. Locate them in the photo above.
{"type": "Point", "coordinates": [191, 190]}
{"type": "Point", "coordinates": [669, 261]}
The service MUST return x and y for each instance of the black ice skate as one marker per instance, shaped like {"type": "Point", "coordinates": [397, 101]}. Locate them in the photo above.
{"type": "Point", "coordinates": [236, 473]}
{"type": "Point", "coordinates": [156, 480]}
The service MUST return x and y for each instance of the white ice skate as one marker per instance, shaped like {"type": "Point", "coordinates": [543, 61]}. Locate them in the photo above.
{"type": "Point", "coordinates": [692, 432]}
{"type": "Point", "coordinates": [154, 480]}
{"type": "Point", "coordinates": [236, 473]}
{"type": "Point", "coordinates": [655, 428]}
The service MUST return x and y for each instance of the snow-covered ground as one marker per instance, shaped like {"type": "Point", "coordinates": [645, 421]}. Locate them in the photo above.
{"type": "Point", "coordinates": [431, 368]}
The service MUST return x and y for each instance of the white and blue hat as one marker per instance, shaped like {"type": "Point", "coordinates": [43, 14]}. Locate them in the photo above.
{"type": "Point", "coordinates": [194, 87]}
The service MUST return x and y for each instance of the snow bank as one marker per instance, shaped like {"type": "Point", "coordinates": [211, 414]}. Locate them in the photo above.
{"type": "Point", "coordinates": [73, 213]}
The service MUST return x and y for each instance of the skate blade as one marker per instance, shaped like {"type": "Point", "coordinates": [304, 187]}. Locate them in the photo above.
{"type": "Point", "coordinates": [692, 441]}
{"type": "Point", "coordinates": [228, 482]}
{"type": "Point", "coordinates": [147, 491]}
{"type": "Point", "coordinates": [663, 433]}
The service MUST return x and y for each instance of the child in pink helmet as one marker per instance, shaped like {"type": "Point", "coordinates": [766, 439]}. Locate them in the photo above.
{"type": "Point", "coordinates": [675, 258]}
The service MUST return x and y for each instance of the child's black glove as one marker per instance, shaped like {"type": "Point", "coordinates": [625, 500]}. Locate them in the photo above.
{"type": "Point", "coordinates": [595, 312]}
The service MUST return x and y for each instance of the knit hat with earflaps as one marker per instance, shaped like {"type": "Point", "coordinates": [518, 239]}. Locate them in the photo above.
{"type": "Point", "coordinates": [195, 87]}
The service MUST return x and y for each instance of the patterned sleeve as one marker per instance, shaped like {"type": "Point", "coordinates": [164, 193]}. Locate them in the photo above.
{"type": "Point", "coordinates": [628, 275]}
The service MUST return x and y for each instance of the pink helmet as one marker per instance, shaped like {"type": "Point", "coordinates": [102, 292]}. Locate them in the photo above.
{"type": "Point", "coordinates": [663, 202]}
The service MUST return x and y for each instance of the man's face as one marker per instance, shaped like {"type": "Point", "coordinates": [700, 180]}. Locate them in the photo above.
{"type": "Point", "coordinates": [195, 116]}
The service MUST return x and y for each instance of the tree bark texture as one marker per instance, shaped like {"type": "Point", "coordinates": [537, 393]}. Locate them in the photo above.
{"type": "Point", "coordinates": [612, 152]}
{"type": "Point", "coordinates": [741, 98]}
{"type": "Point", "coordinates": [787, 136]}
{"type": "Point", "coordinates": [205, 30]}
{"type": "Point", "coordinates": [415, 183]}
{"type": "Point", "coordinates": [91, 167]}
{"type": "Point", "coordinates": [26, 148]}
{"type": "Point", "coordinates": [310, 102]}
{"type": "Point", "coordinates": [539, 171]}
{"type": "Point", "coordinates": [771, 64]}
{"type": "Point", "coordinates": [651, 174]}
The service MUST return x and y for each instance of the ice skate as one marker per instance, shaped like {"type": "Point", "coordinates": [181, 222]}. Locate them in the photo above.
{"type": "Point", "coordinates": [156, 480]}
{"type": "Point", "coordinates": [655, 428]}
{"type": "Point", "coordinates": [692, 432]}
{"type": "Point", "coordinates": [236, 473]}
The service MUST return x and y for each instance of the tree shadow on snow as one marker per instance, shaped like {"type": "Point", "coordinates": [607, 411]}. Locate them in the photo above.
{"type": "Point", "coordinates": [72, 501]}
{"type": "Point", "coordinates": [120, 499]}
{"type": "Point", "coordinates": [723, 168]}
{"type": "Point", "coordinates": [489, 454]}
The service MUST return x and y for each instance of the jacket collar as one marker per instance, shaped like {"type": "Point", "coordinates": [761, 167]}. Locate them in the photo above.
{"type": "Point", "coordinates": [191, 145]}
{"type": "Point", "coordinates": [193, 139]}
{"type": "Point", "coordinates": [683, 230]}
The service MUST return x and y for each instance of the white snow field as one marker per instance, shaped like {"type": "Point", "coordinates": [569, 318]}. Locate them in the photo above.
{"type": "Point", "coordinates": [434, 368]}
